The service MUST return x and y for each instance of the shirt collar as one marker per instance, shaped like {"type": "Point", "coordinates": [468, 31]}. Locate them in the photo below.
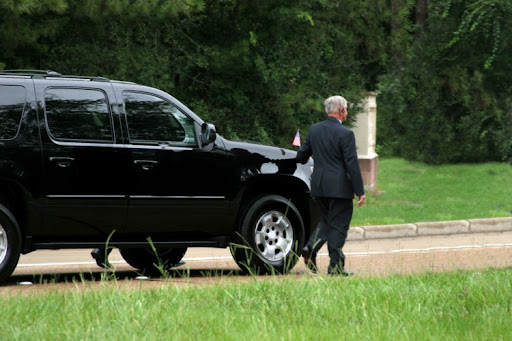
{"type": "Point", "coordinates": [334, 118]}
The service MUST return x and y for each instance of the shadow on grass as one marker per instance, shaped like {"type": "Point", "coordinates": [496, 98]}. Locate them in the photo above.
{"type": "Point", "coordinates": [105, 275]}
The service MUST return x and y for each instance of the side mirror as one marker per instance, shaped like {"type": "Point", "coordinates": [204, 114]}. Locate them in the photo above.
{"type": "Point", "coordinates": [208, 133]}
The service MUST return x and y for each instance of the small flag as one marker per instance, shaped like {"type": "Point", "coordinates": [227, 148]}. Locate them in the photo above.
{"type": "Point", "coordinates": [296, 139]}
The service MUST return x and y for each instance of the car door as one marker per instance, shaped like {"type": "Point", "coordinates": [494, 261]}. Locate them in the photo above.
{"type": "Point", "coordinates": [177, 189]}
{"type": "Point", "coordinates": [84, 162]}
{"type": "Point", "coordinates": [20, 150]}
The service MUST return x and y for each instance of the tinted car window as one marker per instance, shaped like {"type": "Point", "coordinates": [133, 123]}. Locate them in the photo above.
{"type": "Point", "coordinates": [151, 118]}
{"type": "Point", "coordinates": [78, 114]}
{"type": "Point", "coordinates": [12, 102]}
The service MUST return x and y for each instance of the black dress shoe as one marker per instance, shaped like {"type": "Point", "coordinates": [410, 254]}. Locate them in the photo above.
{"type": "Point", "coordinates": [344, 273]}
{"type": "Point", "coordinates": [306, 252]}
{"type": "Point", "coordinates": [309, 259]}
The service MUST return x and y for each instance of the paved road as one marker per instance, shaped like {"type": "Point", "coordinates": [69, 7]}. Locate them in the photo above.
{"type": "Point", "coordinates": [367, 258]}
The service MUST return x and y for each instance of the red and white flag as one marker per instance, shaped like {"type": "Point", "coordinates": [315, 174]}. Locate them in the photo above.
{"type": "Point", "coordinates": [296, 139]}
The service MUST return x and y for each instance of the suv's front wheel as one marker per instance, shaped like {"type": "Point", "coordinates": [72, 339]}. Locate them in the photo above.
{"type": "Point", "coordinates": [269, 236]}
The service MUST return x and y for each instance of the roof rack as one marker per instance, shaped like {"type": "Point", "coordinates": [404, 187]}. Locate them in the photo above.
{"type": "Point", "coordinates": [29, 72]}
{"type": "Point", "coordinates": [91, 78]}
{"type": "Point", "coordinates": [49, 73]}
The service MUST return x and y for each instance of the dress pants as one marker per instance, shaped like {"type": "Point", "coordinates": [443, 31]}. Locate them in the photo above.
{"type": "Point", "coordinates": [333, 228]}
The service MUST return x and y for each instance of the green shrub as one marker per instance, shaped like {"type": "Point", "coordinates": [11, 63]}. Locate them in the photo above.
{"type": "Point", "coordinates": [451, 101]}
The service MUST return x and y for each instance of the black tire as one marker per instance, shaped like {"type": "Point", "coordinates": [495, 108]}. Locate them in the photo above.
{"type": "Point", "coordinates": [269, 237]}
{"type": "Point", "coordinates": [10, 243]}
{"type": "Point", "coordinates": [145, 258]}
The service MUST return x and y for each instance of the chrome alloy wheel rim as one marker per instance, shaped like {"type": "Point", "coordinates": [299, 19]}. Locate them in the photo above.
{"type": "Point", "coordinates": [273, 236]}
{"type": "Point", "coordinates": [3, 244]}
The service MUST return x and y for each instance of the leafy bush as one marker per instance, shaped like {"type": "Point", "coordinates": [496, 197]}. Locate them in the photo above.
{"type": "Point", "coordinates": [451, 102]}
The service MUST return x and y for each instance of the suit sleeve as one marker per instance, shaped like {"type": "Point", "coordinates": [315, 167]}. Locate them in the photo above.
{"type": "Point", "coordinates": [305, 151]}
{"type": "Point", "coordinates": [352, 163]}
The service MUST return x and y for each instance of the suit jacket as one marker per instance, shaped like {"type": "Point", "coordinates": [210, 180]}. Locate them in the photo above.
{"type": "Point", "coordinates": [336, 173]}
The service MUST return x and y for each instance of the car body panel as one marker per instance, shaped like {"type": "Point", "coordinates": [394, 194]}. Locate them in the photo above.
{"type": "Point", "coordinates": [79, 193]}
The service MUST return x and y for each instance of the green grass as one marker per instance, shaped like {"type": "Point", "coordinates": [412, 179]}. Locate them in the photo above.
{"type": "Point", "coordinates": [410, 192]}
{"type": "Point", "coordinates": [450, 306]}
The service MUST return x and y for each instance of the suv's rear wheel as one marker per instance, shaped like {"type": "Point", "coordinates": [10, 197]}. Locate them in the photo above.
{"type": "Point", "coordinates": [269, 237]}
{"type": "Point", "coordinates": [146, 259]}
{"type": "Point", "coordinates": [10, 243]}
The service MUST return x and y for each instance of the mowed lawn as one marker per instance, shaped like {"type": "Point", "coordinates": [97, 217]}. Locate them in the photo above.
{"type": "Point", "coordinates": [410, 192]}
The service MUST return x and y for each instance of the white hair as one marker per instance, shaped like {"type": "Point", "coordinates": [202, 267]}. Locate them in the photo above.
{"type": "Point", "coordinates": [334, 103]}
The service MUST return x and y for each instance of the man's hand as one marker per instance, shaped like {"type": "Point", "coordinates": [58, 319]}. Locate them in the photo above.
{"type": "Point", "coordinates": [361, 200]}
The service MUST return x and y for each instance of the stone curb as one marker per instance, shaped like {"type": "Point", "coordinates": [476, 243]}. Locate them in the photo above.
{"type": "Point", "coordinates": [430, 228]}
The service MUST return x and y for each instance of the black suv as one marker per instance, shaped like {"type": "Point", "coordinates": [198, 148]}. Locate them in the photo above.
{"type": "Point", "coordinates": [84, 160]}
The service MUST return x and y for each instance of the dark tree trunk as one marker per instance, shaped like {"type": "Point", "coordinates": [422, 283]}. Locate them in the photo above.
{"type": "Point", "coordinates": [421, 16]}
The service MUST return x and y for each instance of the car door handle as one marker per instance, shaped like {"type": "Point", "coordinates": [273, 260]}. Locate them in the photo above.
{"type": "Point", "coordinates": [146, 164]}
{"type": "Point", "coordinates": [62, 162]}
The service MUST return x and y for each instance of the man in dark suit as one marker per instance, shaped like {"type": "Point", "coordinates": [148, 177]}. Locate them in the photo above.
{"type": "Point", "coordinates": [336, 178]}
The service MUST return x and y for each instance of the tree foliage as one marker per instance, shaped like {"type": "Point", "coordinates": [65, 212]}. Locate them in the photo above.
{"type": "Point", "coordinates": [24, 26]}
{"type": "Point", "coordinates": [452, 99]}
{"type": "Point", "coordinates": [261, 69]}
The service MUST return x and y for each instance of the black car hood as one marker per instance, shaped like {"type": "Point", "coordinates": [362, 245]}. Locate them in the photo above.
{"type": "Point", "coordinates": [269, 152]}
{"type": "Point", "coordinates": [259, 159]}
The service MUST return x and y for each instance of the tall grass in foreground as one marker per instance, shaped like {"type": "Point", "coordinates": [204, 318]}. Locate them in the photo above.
{"type": "Point", "coordinates": [409, 192]}
{"type": "Point", "coordinates": [438, 306]}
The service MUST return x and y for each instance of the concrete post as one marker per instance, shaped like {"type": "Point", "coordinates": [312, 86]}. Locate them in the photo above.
{"type": "Point", "coordinates": [365, 131]}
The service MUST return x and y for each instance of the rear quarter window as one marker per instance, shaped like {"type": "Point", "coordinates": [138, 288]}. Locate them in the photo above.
{"type": "Point", "coordinates": [12, 103]}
